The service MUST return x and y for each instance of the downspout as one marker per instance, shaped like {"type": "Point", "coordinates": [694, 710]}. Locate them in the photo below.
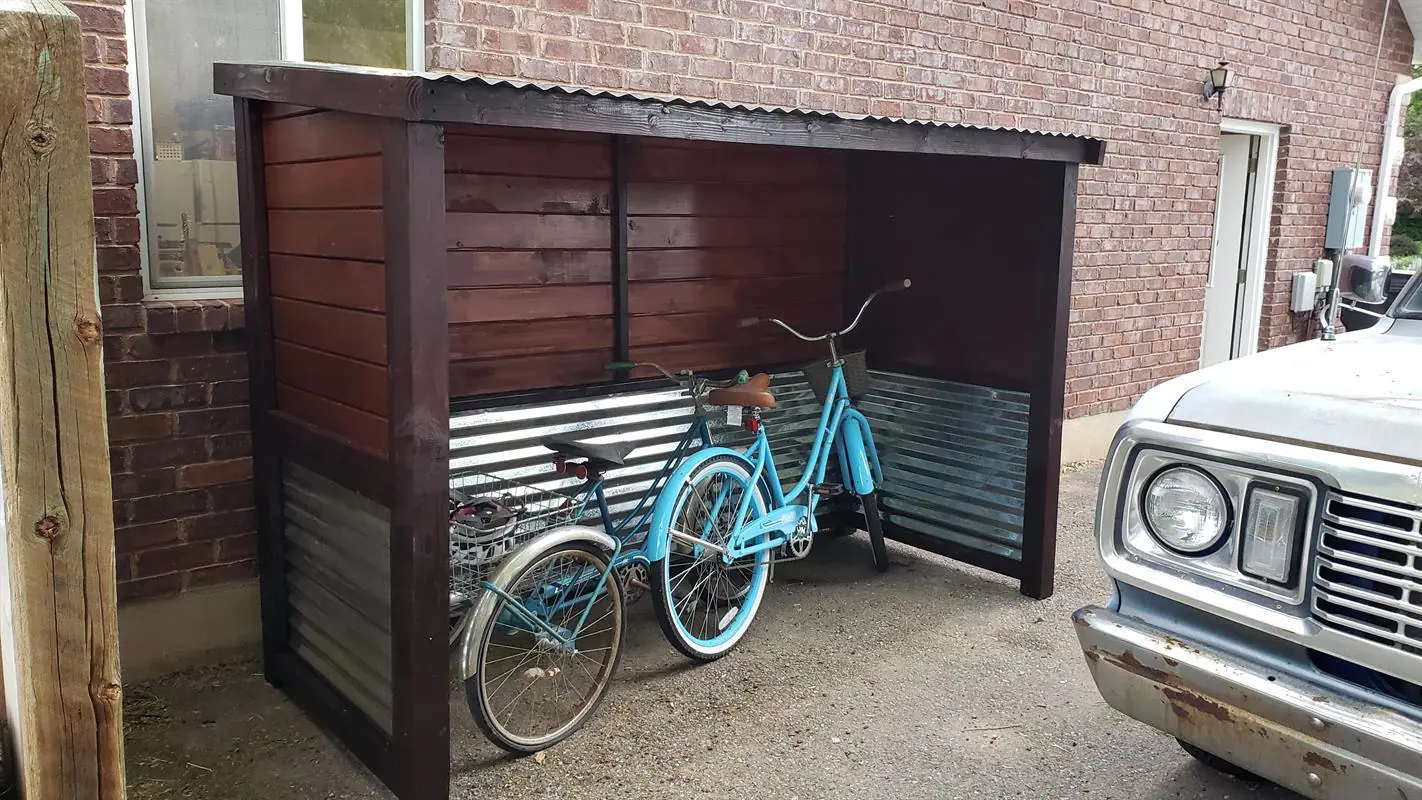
{"type": "Point", "coordinates": [1395, 104]}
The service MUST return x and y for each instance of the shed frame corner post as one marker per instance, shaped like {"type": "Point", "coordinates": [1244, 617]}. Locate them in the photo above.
{"type": "Point", "coordinates": [417, 337]}
{"type": "Point", "coordinates": [261, 378]}
{"type": "Point", "coordinates": [1048, 398]}
{"type": "Point", "coordinates": [58, 594]}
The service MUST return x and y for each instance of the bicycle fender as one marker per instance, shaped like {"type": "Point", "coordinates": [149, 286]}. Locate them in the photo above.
{"type": "Point", "coordinates": [509, 569]}
{"type": "Point", "coordinates": [853, 432]}
{"type": "Point", "coordinates": [656, 545]}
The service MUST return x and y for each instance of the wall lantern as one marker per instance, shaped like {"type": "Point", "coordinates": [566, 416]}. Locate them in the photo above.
{"type": "Point", "coordinates": [1217, 82]}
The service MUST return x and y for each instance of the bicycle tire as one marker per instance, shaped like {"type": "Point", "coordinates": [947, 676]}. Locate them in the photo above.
{"type": "Point", "coordinates": [475, 687]}
{"type": "Point", "coordinates": [875, 525]}
{"type": "Point", "coordinates": [664, 588]}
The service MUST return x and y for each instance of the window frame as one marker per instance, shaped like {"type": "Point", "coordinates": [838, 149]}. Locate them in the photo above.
{"type": "Point", "coordinates": [291, 47]}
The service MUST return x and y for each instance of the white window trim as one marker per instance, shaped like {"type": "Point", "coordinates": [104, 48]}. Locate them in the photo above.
{"type": "Point", "coordinates": [292, 49]}
{"type": "Point", "coordinates": [1258, 227]}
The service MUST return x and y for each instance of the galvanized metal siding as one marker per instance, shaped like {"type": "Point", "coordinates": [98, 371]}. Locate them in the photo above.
{"type": "Point", "coordinates": [954, 458]}
{"type": "Point", "coordinates": [338, 577]}
{"type": "Point", "coordinates": [954, 455]}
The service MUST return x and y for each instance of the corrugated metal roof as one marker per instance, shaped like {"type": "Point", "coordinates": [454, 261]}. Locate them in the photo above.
{"type": "Point", "coordinates": [448, 77]}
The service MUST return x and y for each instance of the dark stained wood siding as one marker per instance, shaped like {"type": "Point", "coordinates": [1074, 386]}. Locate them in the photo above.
{"type": "Point", "coordinates": [529, 238]}
{"type": "Point", "coordinates": [326, 243]}
{"type": "Point", "coordinates": [963, 230]}
{"type": "Point", "coordinates": [719, 233]}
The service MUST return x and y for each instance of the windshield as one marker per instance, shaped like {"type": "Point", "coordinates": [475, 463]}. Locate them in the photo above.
{"type": "Point", "coordinates": [1411, 305]}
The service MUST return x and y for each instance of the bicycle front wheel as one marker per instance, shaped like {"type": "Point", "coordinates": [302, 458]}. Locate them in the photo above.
{"type": "Point", "coordinates": [529, 690]}
{"type": "Point", "coordinates": [704, 605]}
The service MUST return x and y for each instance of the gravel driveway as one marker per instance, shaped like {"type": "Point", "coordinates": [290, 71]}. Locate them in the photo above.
{"type": "Point", "coordinates": [935, 680]}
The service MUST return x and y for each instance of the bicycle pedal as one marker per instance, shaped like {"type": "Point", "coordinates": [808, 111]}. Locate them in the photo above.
{"type": "Point", "coordinates": [828, 489]}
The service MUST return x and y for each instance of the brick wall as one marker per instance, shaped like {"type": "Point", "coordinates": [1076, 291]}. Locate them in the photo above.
{"type": "Point", "coordinates": [1129, 71]}
{"type": "Point", "coordinates": [175, 372]}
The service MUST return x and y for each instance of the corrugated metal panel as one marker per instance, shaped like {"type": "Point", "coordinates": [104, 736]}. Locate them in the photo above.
{"type": "Point", "coordinates": [954, 458]}
{"type": "Point", "coordinates": [479, 80]}
{"type": "Point", "coordinates": [954, 455]}
{"type": "Point", "coordinates": [338, 579]}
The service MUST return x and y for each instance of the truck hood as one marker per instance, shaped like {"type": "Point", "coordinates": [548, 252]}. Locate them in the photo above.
{"type": "Point", "coordinates": [1361, 394]}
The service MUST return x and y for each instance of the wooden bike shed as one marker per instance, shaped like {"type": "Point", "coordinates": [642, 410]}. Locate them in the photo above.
{"type": "Point", "coordinates": [417, 245]}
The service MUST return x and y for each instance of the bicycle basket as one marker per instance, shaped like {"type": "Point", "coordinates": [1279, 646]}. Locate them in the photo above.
{"type": "Point", "coordinates": [491, 517]}
{"type": "Point", "coordinates": [856, 375]}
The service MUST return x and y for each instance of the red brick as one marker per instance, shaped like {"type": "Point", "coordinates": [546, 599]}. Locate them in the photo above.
{"type": "Point", "coordinates": [114, 141]}
{"type": "Point", "coordinates": [232, 497]}
{"type": "Point", "coordinates": [223, 573]}
{"type": "Point", "coordinates": [172, 559]}
{"type": "Point", "coordinates": [98, 19]}
{"type": "Point", "coordinates": [219, 525]}
{"type": "Point", "coordinates": [126, 374]}
{"type": "Point", "coordinates": [155, 398]}
{"type": "Point", "coordinates": [168, 505]}
{"type": "Point", "coordinates": [234, 445]}
{"type": "Point", "coordinates": [112, 202]}
{"type": "Point", "coordinates": [215, 472]}
{"type": "Point", "coordinates": [121, 317]}
{"type": "Point", "coordinates": [167, 453]}
{"type": "Point", "coordinates": [118, 259]}
{"type": "Point", "coordinates": [228, 393]}
{"type": "Point", "coordinates": [237, 547]}
{"type": "Point", "coordinates": [106, 80]}
{"type": "Point", "coordinates": [218, 420]}
{"type": "Point", "coordinates": [146, 428]}
{"type": "Point", "coordinates": [214, 368]}
{"type": "Point", "coordinates": [150, 588]}
{"type": "Point", "coordinates": [144, 537]}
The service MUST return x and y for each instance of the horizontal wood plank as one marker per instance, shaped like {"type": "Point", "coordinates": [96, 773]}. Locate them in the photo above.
{"type": "Point", "coordinates": [312, 137]}
{"type": "Point", "coordinates": [367, 430]}
{"type": "Point", "coordinates": [271, 111]}
{"type": "Point", "coordinates": [527, 337]}
{"type": "Point", "coordinates": [516, 194]}
{"type": "Point", "coordinates": [717, 355]}
{"type": "Point", "coordinates": [737, 200]}
{"type": "Point", "coordinates": [356, 234]}
{"type": "Point", "coordinates": [724, 326]}
{"type": "Point", "coordinates": [334, 282]}
{"type": "Point", "coordinates": [651, 232]}
{"type": "Point", "coordinates": [497, 305]}
{"type": "Point", "coordinates": [738, 262]}
{"type": "Point", "coordinates": [354, 383]}
{"type": "Point", "coordinates": [475, 268]}
{"type": "Point", "coordinates": [527, 231]}
{"type": "Point", "coordinates": [543, 158]}
{"type": "Point", "coordinates": [470, 378]}
{"type": "Point", "coordinates": [732, 163]}
{"type": "Point", "coordinates": [536, 134]}
{"type": "Point", "coordinates": [355, 334]}
{"type": "Point", "coordinates": [720, 295]}
{"type": "Point", "coordinates": [341, 183]}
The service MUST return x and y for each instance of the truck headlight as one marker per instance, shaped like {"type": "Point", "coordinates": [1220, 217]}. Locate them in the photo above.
{"type": "Point", "coordinates": [1270, 534]}
{"type": "Point", "coordinates": [1186, 510]}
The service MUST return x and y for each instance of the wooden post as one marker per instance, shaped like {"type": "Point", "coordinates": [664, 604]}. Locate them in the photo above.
{"type": "Point", "coordinates": [58, 625]}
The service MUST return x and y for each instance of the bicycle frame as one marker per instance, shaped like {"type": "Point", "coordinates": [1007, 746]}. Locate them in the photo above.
{"type": "Point", "coordinates": [620, 531]}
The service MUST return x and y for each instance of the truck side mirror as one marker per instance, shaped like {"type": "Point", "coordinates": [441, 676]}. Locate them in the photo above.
{"type": "Point", "coordinates": [1363, 279]}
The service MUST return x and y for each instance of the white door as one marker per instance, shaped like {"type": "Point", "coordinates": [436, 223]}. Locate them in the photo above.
{"type": "Point", "coordinates": [1225, 289]}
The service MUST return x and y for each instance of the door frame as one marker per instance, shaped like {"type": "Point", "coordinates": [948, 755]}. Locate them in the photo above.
{"type": "Point", "coordinates": [1252, 301]}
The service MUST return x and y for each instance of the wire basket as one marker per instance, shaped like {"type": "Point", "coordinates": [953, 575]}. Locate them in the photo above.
{"type": "Point", "coordinates": [503, 515]}
{"type": "Point", "coordinates": [856, 375]}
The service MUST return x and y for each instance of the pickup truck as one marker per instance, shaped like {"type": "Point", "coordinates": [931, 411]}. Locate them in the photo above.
{"type": "Point", "coordinates": [1261, 521]}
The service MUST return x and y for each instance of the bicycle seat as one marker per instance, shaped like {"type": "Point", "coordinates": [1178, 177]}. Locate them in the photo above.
{"type": "Point", "coordinates": [754, 393]}
{"type": "Point", "coordinates": [614, 453]}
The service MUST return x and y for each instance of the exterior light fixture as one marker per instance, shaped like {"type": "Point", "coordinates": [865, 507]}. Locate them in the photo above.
{"type": "Point", "coordinates": [1217, 82]}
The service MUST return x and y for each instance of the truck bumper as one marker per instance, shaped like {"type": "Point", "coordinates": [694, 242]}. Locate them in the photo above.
{"type": "Point", "coordinates": [1299, 735]}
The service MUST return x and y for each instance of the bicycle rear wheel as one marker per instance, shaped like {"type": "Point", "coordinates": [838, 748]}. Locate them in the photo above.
{"type": "Point", "coordinates": [705, 606]}
{"type": "Point", "coordinates": [528, 692]}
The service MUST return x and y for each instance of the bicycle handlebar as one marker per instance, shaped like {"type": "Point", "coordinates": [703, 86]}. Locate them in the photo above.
{"type": "Point", "coordinates": [894, 286]}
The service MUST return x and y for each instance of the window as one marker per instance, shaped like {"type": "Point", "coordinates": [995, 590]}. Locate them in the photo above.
{"type": "Point", "coordinates": [186, 132]}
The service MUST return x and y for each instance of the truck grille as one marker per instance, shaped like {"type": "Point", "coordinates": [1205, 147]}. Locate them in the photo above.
{"type": "Point", "coordinates": [1368, 579]}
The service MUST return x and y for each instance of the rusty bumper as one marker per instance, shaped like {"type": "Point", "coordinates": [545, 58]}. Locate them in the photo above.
{"type": "Point", "coordinates": [1301, 735]}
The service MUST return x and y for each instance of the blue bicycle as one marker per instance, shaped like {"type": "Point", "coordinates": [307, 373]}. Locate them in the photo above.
{"type": "Point", "coordinates": [540, 645]}
{"type": "Point", "coordinates": [724, 515]}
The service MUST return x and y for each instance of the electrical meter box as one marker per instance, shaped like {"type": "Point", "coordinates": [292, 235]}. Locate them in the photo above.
{"type": "Point", "coordinates": [1348, 208]}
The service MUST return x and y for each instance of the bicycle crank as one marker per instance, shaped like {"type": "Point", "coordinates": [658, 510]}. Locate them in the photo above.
{"type": "Point", "coordinates": [636, 581]}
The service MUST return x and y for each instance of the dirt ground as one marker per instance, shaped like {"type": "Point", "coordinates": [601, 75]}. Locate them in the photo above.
{"type": "Point", "coordinates": [935, 680]}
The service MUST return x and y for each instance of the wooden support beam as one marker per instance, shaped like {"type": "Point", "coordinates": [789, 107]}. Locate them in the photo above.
{"type": "Point", "coordinates": [58, 623]}
{"type": "Point", "coordinates": [417, 332]}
